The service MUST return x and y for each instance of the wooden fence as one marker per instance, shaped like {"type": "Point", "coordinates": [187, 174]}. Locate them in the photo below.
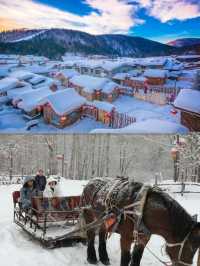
{"type": "Point", "coordinates": [113, 119]}
{"type": "Point", "coordinates": [120, 120]}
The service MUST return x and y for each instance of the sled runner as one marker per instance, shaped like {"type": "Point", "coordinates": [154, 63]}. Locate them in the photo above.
{"type": "Point", "coordinates": [49, 219]}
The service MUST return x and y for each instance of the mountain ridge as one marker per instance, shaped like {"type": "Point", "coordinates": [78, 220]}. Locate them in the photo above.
{"type": "Point", "coordinates": [54, 43]}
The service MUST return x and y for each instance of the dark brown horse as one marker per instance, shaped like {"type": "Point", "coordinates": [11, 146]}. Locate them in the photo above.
{"type": "Point", "coordinates": [162, 216]}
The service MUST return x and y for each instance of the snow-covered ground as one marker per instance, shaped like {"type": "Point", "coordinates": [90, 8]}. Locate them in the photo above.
{"type": "Point", "coordinates": [17, 249]}
{"type": "Point", "coordinates": [12, 121]}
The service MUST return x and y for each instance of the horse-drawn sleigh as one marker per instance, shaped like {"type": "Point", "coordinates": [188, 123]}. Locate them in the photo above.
{"type": "Point", "coordinates": [134, 211]}
{"type": "Point", "coordinates": [49, 218]}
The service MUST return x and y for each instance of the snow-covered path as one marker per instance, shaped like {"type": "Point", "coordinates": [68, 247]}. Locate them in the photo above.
{"type": "Point", "coordinates": [142, 110]}
{"type": "Point", "coordinates": [17, 249]}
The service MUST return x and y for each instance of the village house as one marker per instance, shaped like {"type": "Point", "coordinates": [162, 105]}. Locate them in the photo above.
{"type": "Point", "coordinates": [156, 77]}
{"type": "Point", "coordinates": [136, 82]}
{"type": "Point", "coordinates": [110, 91]}
{"type": "Point", "coordinates": [188, 103]}
{"type": "Point", "coordinates": [22, 75]}
{"type": "Point", "coordinates": [29, 102]}
{"type": "Point", "coordinates": [7, 84]}
{"type": "Point", "coordinates": [16, 92]}
{"type": "Point", "coordinates": [65, 75]}
{"type": "Point", "coordinates": [104, 111]}
{"type": "Point", "coordinates": [120, 78]}
{"type": "Point", "coordinates": [188, 58]}
{"type": "Point", "coordinates": [63, 108]}
{"type": "Point", "coordinates": [88, 86]}
{"type": "Point", "coordinates": [101, 68]}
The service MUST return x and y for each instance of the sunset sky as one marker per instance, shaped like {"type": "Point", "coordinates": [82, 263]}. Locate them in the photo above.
{"type": "Point", "coordinates": [160, 20]}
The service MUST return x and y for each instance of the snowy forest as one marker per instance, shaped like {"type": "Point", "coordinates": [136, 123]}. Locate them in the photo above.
{"type": "Point", "coordinates": [86, 156]}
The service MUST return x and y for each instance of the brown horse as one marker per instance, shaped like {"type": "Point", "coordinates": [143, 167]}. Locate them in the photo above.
{"type": "Point", "coordinates": [162, 216]}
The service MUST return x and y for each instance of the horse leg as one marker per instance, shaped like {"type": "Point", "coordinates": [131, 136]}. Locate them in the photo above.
{"type": "Point", "coordinates": [125, 242]}
{"type": "Point", "coordinates": [138, 250]}
{"type": "Point", "coordinates": [91, 252]}
{"type": "Point", "coordinates": [103, 255]}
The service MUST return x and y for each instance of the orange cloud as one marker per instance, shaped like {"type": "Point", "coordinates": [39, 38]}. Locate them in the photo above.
{"type": "Point", "coordinates": [7, 24]}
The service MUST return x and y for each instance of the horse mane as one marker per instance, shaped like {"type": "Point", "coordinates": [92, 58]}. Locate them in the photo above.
{"type": "Point", "coordinates": [181, 220]}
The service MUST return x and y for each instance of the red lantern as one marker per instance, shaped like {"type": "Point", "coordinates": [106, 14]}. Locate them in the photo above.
{"type": "Point", "coordinates": [174, 153]}
{"type": "Point", "coordinates": [39, 108]}
{"type": "Point", "coordinates": [63, 119]}
{"type": "Point", "coordinates": [60, 156]}
{"type": "Point", "coordinates": [174, 112]}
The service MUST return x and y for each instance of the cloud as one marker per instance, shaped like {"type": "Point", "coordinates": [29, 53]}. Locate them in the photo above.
{"type": "Point", "coordinates": [167, 10]}
{"type": "Point", "coordinates": [110, 16]}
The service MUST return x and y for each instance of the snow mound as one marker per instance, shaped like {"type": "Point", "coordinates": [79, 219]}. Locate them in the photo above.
{"type": "Point", "coordinates": [150, 126]}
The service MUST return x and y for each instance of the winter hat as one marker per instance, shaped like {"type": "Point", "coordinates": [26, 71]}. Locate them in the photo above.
{"type": "Point", "coordinates": [26, 179]}
{"type": "Point", "coordinates": [52, 179]}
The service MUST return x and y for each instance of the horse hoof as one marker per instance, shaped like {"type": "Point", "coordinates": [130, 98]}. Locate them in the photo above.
{"type": "Point", "coordinates": [105, 262]}
{"type": "Point", "coordinates": [92, 261]}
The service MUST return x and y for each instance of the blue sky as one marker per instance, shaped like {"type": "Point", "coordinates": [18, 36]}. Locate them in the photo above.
{"type": "Point", "coordinates": [160, 20]}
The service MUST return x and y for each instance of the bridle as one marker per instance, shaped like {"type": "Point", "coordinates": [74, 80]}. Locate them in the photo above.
{"type": "Point", "coordinates": [182, 246]}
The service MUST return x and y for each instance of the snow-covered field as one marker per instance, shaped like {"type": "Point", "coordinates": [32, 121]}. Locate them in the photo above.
{"type": "Point", "coordinates": [17, 249]}
{"type": "Point", "coordinates": [11, 120]}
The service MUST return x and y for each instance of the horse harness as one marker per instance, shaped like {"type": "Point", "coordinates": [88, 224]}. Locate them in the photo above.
{"type": "Point", "coordinates": [133, 211]}
{"type": "Point", "coordinates": [182, 245]}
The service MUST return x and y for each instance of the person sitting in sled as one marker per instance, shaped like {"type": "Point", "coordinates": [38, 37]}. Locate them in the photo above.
{"type": "Point", "coordinates": [52, 188]}
{"type": "Point", "coordinates": [27, 192]}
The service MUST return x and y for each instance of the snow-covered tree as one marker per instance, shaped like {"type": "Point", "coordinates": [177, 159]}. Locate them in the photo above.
{"type": "Point", "coordinates": [188, 158]}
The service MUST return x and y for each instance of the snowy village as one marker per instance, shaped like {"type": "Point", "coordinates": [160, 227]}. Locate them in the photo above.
{"type": "Point", "coordinates": [108, 170]}
{"type": "Point", "coordinates": [99, 94]}
{"type": "Point", "coordinates": [100, 133]}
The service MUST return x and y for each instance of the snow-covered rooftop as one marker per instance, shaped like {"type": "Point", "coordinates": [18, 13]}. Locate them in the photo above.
{"type": "Point", "coordinates": [188, 100]}
{"type": "Point", "coordinates": [36, 79]}
{"type": "Point", "coordinates": [19, 91]}
{"type": "Point", "coordinates": [121, 76]}
{"type": "Point", "coordinates": [108, 107]}
{"type": "Point", "coordinates": [109, 87]}
{"type": "Point", "coordinates": [89, 83]}
{"type": "Point", "coordinates": [64, 101]}
{"type": "Point", "coordinates": [69, 73]}
{"type": "Point", "coordinates": [8, 84]}
{"type": "Point", "coordinates": [156, 73]}
{"type": "Point", "coordinates": [31, 99]}
{"type": "Point", "coordinates": [141, 78]}
{"type": "Point", "coordinates": [21, 74]}
{"type": "Point", "coordinates": [39, 69]}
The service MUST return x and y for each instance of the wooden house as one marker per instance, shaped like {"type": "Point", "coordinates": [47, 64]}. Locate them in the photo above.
{"type": "Point", "coordinates": [136, 82]}
{"type": "Point", "coordinates": [156, 77]}
{"type": "Point", "coordinates": [120, 78]}
{"type": "Point", "coordinates": [64, 76]}
{"type": "Point", "coordinates": [188, 102]}
{"type": "Point", "coordinates": [110, 92]}
{"type": "Point", "coordinates": [29, 102]}
{"type": "Point", "coordinates": [88, 86]}
{"type": "Point", "coordinates": [104, 111]}
{"type": "Point", "coordinates": [63, 108]}
{"type": "Point", "coordinates": [7, 84]}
